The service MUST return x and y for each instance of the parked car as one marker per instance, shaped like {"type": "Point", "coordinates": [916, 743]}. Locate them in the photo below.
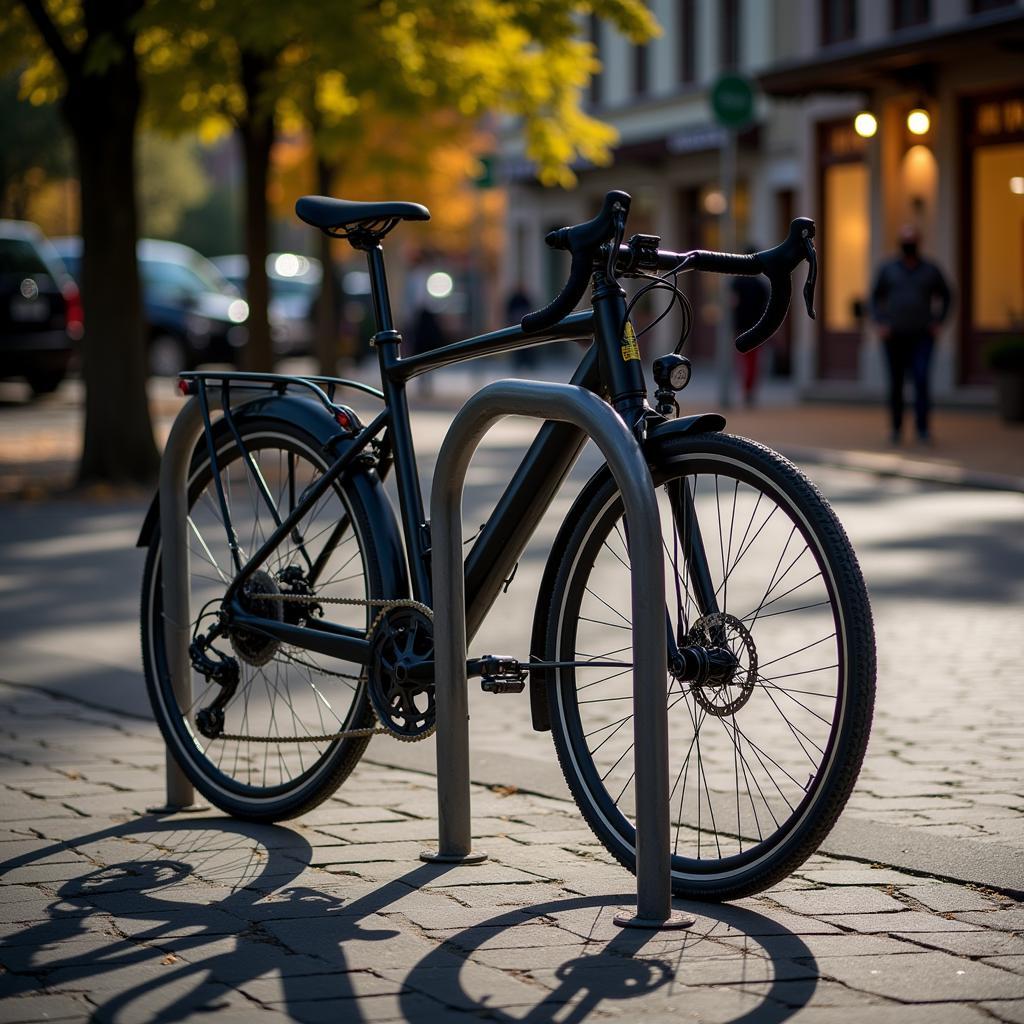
{"type": "Point", "coordinates": [193, 315]}
{"type": "Point", "coordinates": [40, 308]}
{"type": "Point", "coordinates": [294, 289]}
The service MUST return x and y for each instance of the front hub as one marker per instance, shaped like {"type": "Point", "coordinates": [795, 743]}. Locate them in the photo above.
{"type": "Point", "coordinates": [718, 660]}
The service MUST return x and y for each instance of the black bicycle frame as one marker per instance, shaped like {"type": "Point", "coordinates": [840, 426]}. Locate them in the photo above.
{"type": "Point", "coordinates": [547, 462]}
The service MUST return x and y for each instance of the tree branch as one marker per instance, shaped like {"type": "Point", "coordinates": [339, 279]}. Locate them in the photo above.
{"type": "Point", "coordinates": [66, 57]}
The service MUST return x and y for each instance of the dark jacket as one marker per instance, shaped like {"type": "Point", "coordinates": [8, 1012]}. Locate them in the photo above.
{"type": "Point", "coordinates": [909, 299]}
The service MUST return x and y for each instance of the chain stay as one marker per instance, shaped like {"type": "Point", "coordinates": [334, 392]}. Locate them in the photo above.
{"type": "Point", "coordinates": [385, 606]}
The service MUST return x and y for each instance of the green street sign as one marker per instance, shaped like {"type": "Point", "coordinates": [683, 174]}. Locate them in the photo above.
{"type": "Point", "coordinates": [732, 100]}
{"type": "Point", "coordinates": [488, 176]}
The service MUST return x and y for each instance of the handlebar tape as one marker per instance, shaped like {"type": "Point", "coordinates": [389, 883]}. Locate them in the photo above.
{"type": "Point", "coordinates": [583, 241]}
{"type": "Point", "coordinates": [776, 264]}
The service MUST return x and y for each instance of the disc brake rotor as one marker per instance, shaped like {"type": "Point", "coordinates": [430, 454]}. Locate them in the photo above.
{"type": "Point", "coordinates": [726, 696]}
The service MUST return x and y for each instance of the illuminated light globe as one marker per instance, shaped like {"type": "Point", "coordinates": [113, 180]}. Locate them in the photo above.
{"type": "Point", "coordinates": [1017, 185]}
{"type": "Point", "coordinates": [287, 264]}
{"type": "Point", "coordinates": [238, 311]}
{"type": "Point", "coordinates": [439, 285]}
{"type": "Point", "coordinates": [865, 124]}
{"type": "Point", "coordinates": [918, 121]}
{"type": "Point", "coordinates": [715, 202]}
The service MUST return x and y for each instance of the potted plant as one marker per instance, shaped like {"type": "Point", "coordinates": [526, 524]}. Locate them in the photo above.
{"type": "Point", "coordinates": [1005, 357]}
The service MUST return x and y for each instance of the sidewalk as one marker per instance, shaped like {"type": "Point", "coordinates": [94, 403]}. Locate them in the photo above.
{"type": "Point", "coordinates": [107, 913]}
{"type": "Point", "coordinates": [40, 443]}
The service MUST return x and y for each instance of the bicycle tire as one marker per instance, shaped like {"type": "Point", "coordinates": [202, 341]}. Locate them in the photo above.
{"type": "Point", "coordinates": [335, 760]}
{"type": "Point", "coordinates": [730, 872]}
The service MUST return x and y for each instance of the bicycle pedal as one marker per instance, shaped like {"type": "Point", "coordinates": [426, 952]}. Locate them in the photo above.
{"type": "Point", "coordinates": [499, 674]}
{"type": "Point", "coordinates": [502, 685]}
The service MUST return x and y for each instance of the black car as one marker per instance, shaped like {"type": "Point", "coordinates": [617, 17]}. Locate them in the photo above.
{"type": "Point", "coordinates": [40, 308]}
{"type": "Point", "coordinates": [193, 315]}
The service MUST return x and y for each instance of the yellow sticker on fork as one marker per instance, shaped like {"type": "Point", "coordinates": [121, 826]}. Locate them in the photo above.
{"type": "Point", "coordinates": [630, 349]}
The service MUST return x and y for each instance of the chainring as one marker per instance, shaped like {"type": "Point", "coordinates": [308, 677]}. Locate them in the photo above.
{"type": "Point", "coordinates": [401, 691]}
{"type": "Point", "coordinates": [720, 629]}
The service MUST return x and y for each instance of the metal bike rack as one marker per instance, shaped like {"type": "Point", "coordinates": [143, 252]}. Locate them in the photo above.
{"type": "Point", "coordinates": [585, 410]}
{"type": "Point", "coordinates": [174, 466]}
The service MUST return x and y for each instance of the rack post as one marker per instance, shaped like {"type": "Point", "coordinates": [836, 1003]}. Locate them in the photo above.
{"type": "Point", "coordinates": [174, 466]}
{"type": "Point", "coordinates": [585, 410]}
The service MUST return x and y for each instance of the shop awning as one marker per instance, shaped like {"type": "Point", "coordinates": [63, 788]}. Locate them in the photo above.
{"type": "Point", "coordinates": [856, 67]}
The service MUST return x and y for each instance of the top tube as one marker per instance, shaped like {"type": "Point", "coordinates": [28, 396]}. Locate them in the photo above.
{"type": "Point", "coordinates": [575, 327]}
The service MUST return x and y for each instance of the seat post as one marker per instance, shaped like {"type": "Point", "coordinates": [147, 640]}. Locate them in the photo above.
{"type": "Point", "coordinates": [387, 341]}
{"type": "Point", "coordinates": [379, 288]}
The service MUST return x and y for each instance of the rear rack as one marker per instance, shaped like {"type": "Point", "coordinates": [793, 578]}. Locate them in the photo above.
{"type": "Point", "coordinates": [322, 388]}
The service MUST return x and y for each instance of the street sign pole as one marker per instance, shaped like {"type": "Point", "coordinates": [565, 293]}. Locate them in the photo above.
{"type": "Point", "coordinates": [732, 102]}
{"type": "Point", "coordinates": [724, 334]}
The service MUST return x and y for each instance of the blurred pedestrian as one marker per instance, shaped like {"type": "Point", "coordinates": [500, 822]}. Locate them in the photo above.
{"type": "Point", "coordinates": [749, 298]}
{"type": "Point", "coordinates": [909, 302]}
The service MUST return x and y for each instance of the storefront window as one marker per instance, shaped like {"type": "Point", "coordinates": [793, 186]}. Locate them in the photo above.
{"type": "Point", "coordinates": [843, 240]}
{"type": "Point", "coordinates": [997, 262]}
{"type": "Point", "coordinates": [992, 263]}
{"type": "Point", "coordinates": [845, 259]}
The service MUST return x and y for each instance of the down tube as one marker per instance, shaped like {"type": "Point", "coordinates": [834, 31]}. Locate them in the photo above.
{"type": "Point", "coordinates": [522, 506]}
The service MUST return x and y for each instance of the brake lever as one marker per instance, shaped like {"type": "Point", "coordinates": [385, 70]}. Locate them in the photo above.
{"type": "Point", "coordinates": [812, 273]}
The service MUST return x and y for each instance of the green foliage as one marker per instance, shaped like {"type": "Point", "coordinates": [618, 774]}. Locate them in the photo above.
{"type": "Point", "coordinates": [171, 182]}
{"type": "Point", "coordinates": [1006, 354]}
{"type": "Point", "coordinates": [338, 65]}
{"type": "Point", "coordinates": [33, 148]}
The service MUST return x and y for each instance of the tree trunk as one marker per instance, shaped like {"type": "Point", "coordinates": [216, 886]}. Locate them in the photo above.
{"type": "Point", "coordinates": [327, 340]}
{"type": "Point", "coordinates": [102, 112]}
{"type": "Point", "coordinates": [256, 130]}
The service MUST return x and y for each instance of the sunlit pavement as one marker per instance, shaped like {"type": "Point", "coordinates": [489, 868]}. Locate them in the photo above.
{"type": "Point", "coordinates": [333, 917]}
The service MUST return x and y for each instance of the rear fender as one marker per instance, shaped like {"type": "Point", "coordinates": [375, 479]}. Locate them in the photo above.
{"type": "Point", "coordinates": [312, 417]}
{"type": "Point", "coordinates": [658, 439]}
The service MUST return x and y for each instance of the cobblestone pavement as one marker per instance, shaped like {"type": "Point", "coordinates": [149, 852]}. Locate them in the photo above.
{"type": "Point", "coordinates": [110, 914]}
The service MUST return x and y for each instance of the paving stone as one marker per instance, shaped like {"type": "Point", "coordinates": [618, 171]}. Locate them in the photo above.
{"type": "Point", "coordinates": [907, 921]}
{"type": "Point", "coordinates": [1012, 962]}
{"type": "Point", "coordinates": [820, 946]}
{"type": "Point", "coordinates": [411, 1007]}
{"type": "Point", "coordinates": [842, 874]}
{"type": "Point", "coordinates": [43, 1007]}
{"type": "Point", "coordinates": [273, 987]}
{"type": "Point", "coordinates": [46, 956]}
{"type": "Point", "coordinates": [467, 985]}
{"type": "Point", "coordinates": [1011, 920]}
{"type": "Point", "coordinates": [980, 943]}
{"type": "Point", "coordinates": [943, 897]}
{"type": "Point", "coordinates": [527, 935]}
{"type": "Point", "coordinates": [924, 977]}
{"type": "Point", "coordinates": [368, 943]}
{"type": "Point", "coordinates": [853, 900]}
{"type": "Point", "coordinates": [1011, 1010]}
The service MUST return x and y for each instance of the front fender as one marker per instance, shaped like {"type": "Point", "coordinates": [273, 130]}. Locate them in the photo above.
{"type": "Point", "coordinates": [658, 439]}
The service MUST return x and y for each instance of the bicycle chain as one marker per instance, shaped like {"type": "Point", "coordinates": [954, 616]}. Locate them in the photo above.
{"type": "Point", "coordinates": [385, 606]}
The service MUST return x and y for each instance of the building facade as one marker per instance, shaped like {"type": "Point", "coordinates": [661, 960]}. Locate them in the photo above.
{"type": "Point", "coordinates": [817, 64]}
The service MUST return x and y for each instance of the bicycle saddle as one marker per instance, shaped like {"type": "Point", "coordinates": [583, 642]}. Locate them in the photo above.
{"type": "Point", "coordinates": [333, 214]}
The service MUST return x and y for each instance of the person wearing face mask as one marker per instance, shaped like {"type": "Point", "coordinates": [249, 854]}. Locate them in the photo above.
{"type": "Point", "coordinates": [909, 302]}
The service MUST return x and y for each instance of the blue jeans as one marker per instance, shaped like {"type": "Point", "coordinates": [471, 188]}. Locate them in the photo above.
{"type": "Point", "coordinates": [909, 351]}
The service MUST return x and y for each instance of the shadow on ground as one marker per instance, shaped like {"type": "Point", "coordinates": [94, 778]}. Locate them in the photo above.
{"type": "Point", "coordinates": [211, 907]}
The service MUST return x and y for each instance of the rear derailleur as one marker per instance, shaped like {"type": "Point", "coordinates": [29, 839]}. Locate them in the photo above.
{"type": "Point", "coordinates": [217, 668]}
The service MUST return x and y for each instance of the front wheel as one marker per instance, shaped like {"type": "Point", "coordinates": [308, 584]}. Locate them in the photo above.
{"type": "Point", "coordinates": [763, 757]}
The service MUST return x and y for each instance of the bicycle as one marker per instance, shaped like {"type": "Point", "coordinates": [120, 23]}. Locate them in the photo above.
{"type": "Point", "coordinates": [314, 632]}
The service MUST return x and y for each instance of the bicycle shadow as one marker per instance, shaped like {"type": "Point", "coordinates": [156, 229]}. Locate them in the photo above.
{"type": "Point", "coordinates": [206, 960]}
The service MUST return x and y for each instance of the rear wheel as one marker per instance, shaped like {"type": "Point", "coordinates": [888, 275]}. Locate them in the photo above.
{"type": "Point", "coordinates": [763, 759]}
{"type": "Point", "coordinates": [285, 695]}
